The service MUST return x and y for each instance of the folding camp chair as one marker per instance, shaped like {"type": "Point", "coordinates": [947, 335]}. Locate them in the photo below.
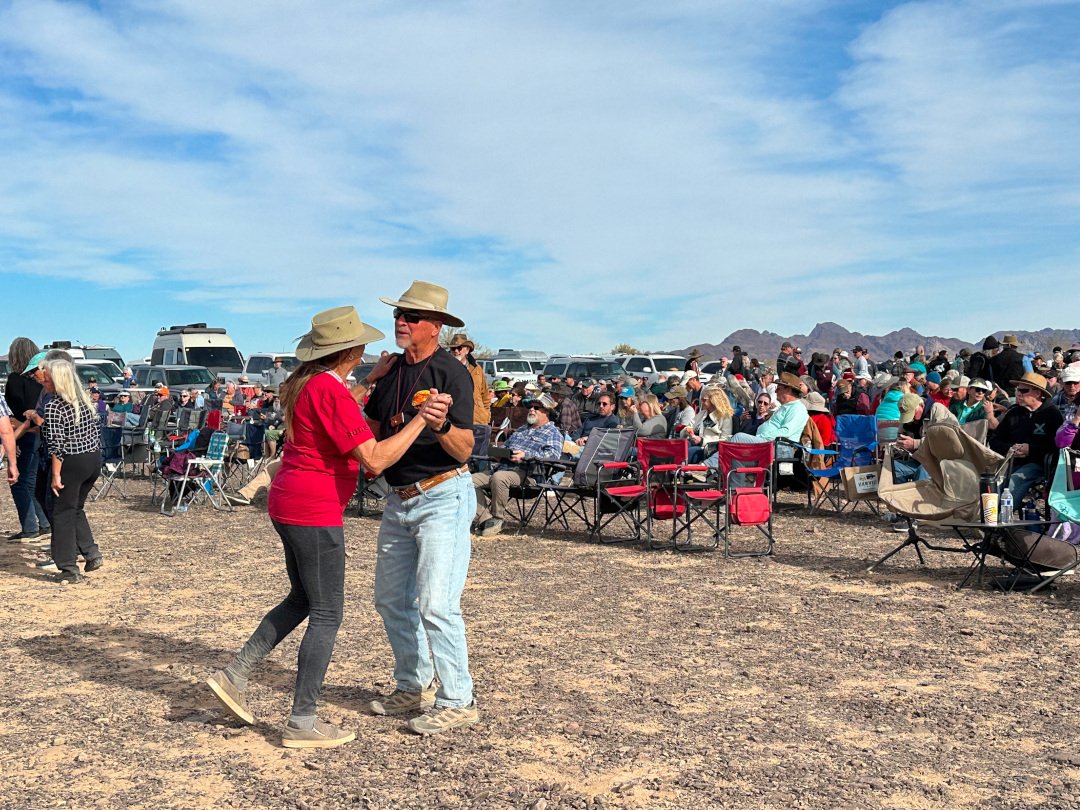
{"type": "Point", "coordinates": [602, 462]}
{"type": "Point", "coordinates": [857, 442]}
{"type": "Point", "coordinates": [746, 473]}
{"type": "Point", "coordinates": [205, 472]}
{"type": "Point", "coordinates": [112, 463]}
{"type": "Point", "coordinates": [478, 460]}
{"type": "Point", "coordinates": [650, 486]}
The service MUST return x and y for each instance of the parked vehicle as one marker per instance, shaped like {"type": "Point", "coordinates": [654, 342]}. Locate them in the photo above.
{"type": "Point", "coordinates": [651, 365]}
{"type": "Point", "coordinates": [108, 371]}
{"type": "Point", "coordinates": [5, 369]}
{"type": "Point", "coordinates": [512, 369]}
{"type": "Point", "coordinates": [197, 344]}
{"type": "Point", "coordinates": [582, 367]}
{"type": "Point", "coordinates": [260, 364]}
{"type": "Point", "coordinates": [88, 352]}
{"type": "Point", "coordinates": [173, 376]}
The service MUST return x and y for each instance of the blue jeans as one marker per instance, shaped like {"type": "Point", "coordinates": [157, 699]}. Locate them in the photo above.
{"type": "Point", "coordinates": [1023, 479]}
{"type": "Point", "coordinates": [907, 469]}
{"type": "Point", "coordinates": [420, 570]}
{"type": "Point", "coordinates": [31, 516]}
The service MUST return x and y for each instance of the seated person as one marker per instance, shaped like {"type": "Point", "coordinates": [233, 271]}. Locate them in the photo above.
{"type": "Point", "coordinates": [122, 403]}
{"type": "Point", "coordinates": [538, 440]}
{"type": "Point", "coordinates": [647, 417]}
{"type": "Point", "coordinates": [818, 409]}
{"type": "Point", "coordinates": [975, 405]}
{"type": "Point", "coordinates": [1028, 429]}
{"type": "Point", "coordinates": [567, 416]}
{"type": "Point", "coordinates": [763, 409]}
{"type": "Point", "coordinates": [501, 390]}
{"type": "Point", "coordinates": [604, 418]}
{"type": "Point", "coordinates": [712, 425]}
{"type": "Point", "coordinates": [787, 422]}
{"type": "Point", "coordinates": [680, 413]}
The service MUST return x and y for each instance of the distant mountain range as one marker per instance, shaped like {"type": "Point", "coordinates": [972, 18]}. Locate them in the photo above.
{"type": "Point", "coordinates": [827, 336]}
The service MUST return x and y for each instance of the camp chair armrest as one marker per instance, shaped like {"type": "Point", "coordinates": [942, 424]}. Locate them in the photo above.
{"type": "Point", "coordinates": [693, 468]}
{"type": "Point", "coordinates": [613, 465]}
{"type": "Point", "coordinates": [821, 452]}
{"type": "Point", "coordinates": [665, 467]}
{"type": "Point", "coordinates": [747, 470]}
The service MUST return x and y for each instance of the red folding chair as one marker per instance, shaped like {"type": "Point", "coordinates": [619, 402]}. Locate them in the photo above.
{"type": "Point", "coordinates": [746, 472]}
{"type": "Point", "coordinates": [657, 467]}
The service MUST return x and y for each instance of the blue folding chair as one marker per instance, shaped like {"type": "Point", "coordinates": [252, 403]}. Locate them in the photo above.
{"type": "Point", "coordinates": [856, 438]}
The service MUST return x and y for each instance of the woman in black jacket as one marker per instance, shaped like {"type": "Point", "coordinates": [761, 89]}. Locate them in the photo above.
{"type": "Point", "coordinates": [21, 393]}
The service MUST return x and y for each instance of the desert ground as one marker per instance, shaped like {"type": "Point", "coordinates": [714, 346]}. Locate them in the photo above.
{"type": "Point", "coordinates": [607, 676]}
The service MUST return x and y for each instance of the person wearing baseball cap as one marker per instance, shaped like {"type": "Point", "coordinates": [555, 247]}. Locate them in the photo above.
{"type": "Point", "coordinates": [539, 439]}
{"type": "Point", "coordinates": [1068, 395]}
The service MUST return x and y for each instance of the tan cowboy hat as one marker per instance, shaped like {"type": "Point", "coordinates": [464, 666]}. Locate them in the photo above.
{"type": "Point", "coordinates": [426, 297]}
{"type": "Point", "coordinates": [333, 330]}
{"type": "Point", "coordinates": [1010, 340]}
{"type": "Point", "coordinates": [461, 340]}
{"type": "Point", "coordinates": [789, 380]}
{"type": "Point", "coordinates": [1034, 380]}
{"type": "Point", "coordinates": [815, 403]}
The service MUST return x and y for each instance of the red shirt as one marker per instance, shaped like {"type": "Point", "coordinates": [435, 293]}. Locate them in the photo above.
{"type": "Point", "coordinates": [318, 475]}
{"type": "Point", "coordinates": [826, 426]}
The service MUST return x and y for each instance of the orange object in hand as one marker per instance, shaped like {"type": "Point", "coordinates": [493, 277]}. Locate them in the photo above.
{"type": "Point", "coordinates": [420, 397]}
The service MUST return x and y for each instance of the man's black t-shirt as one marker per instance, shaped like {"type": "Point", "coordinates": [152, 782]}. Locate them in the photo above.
{"type": "Point", "coordinates": [394, 394]}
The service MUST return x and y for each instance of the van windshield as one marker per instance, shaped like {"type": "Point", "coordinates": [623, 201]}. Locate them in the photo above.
{"type": "Point", "coordinates": [219, 358]}
{"type": "Point", "coordinates": [512, 367]}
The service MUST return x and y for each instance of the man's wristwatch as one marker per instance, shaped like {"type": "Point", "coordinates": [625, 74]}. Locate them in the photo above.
{"type": "Point", "coordinates": [443, 429]}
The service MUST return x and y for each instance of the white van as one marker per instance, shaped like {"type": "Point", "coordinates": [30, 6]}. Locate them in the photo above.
{"type": "Point", "coordinates": [92, 352]}
{"type": "Point", "coordinates": [197, 344]}
{"type": "Point", "coordinates": [508, 368]}
{"type": "Point", "coordinates": [259, 365]}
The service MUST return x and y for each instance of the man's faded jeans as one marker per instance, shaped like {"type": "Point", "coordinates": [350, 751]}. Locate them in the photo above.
{"type": "Point", "coordinates": [420, 570]}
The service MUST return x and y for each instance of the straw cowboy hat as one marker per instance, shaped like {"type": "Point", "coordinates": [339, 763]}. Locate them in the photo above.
{"type": "Point", "coordinates": [426, 297]}
{"type": "Point", "coordinates": [815, 403]}
{"type": "Point", "coordinates": [1010, 340]}
{"type": "Point", "coordinates": [333, 330]}
{"type": "Point", "coordinates": [1034, 381]}
{"type": "Point", "coordinates": [461, 340]}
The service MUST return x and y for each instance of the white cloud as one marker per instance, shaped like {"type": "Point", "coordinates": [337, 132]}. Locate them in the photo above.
{"type": "Point", "coordinates": [577, 174]}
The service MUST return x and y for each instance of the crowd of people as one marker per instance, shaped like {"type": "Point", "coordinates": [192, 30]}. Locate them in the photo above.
{"type": "Point", "coordinates": [412, 420]}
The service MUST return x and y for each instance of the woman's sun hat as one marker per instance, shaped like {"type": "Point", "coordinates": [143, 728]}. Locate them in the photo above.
{"type": "Point", "coordinates": [334, 330]}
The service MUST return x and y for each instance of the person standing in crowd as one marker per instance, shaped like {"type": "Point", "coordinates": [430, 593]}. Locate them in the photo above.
{"type": "Point", "coordinates": [328, 439]}
{"type": "Point", "coordinates": [1007, 365]}
{"type": "Point", "coordinates": [277, 376]}
{"type": "Point", "coordinates": [22, 392]}
{"type": "Point", "coordinates": [73, 432]}
{"type": "Point", "coordinates": [462, 348]}
{"type": "Point", "coordinates": [424, 546]}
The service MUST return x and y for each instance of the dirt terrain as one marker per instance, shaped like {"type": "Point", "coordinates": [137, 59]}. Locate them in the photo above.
{"type": "Point", "coordinates": [607, 677]}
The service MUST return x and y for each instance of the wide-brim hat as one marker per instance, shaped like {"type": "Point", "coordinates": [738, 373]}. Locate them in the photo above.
{"type": "Point", "coordinates": [789, 380]}
{"type": "Point", "coordinates": [461, 340]}
{"type": "Point", "coordinates": [1010, 340]}
{"type": "Point", "coordinates": [562, 390]}
{"type": "Point", "coordinates": [426, 297]}
{"type": "Point", "coordinates": [693, 355]}
{"type": "Point", "coordinates": [815, 403]}
{"type": "Point", "coordinates": [882, 379]}
{"type": "Point", "coordinates": [334, 330]}
{"type": "Point", "coordinates": [676, 392]}
{"type": "Point", "coordinates": [981, 385]}
{"type": "Point", "coordinates": [1034, 380]}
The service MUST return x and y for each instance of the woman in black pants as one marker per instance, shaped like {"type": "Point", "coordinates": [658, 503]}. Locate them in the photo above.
{"type": "Point", "coordinates": [74, 436]}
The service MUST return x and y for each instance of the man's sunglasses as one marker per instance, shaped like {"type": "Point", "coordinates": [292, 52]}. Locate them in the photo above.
{"type": "Point", "coordinates": [1023, 389]}
{"type": "Point", "coordinates": [454, 349]}
{"type": "Point", "coordinates": [409, 316]}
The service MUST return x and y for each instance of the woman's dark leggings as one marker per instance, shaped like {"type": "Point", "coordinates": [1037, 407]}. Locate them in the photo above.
{"type": "Point", "coordinates": [71, 530]}
{"type": "Point", "coordinates": [315, 562]}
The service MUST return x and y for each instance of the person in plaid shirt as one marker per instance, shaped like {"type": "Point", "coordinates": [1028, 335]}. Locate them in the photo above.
{"type": "Point", "coordinates": [538, 440]}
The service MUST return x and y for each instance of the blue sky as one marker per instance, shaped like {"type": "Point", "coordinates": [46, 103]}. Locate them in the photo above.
{"type": "Point", "coordinates": [577, 174]}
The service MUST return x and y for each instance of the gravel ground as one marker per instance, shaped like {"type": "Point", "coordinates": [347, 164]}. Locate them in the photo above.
{"type": "Point", "coordinates": [607, 676]}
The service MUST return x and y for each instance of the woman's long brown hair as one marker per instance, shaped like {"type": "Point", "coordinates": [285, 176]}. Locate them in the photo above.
{"type": "Point", "coordinates": [291, 388]}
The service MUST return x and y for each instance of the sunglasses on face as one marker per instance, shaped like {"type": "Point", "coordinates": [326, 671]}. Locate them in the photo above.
{"type": "Point", "coordinates": [456, 349]}
{"type": "Point", "coordinates": [408, 316]}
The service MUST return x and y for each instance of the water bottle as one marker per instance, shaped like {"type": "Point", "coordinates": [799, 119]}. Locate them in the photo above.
{"type": "Point", "coordinates": [1005, 511]}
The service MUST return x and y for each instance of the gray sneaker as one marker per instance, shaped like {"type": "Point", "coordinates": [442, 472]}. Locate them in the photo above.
{"type": "Point", "coordinates": [402, 702]}
{"type": "Point", "coordinates": [444, 718]}
{"type": "Point", "coordinates": [323, 735]}
{"type": "Point", "coordinates": [230, 696]}
{"type": "Point", "coordinates": [490, 527]}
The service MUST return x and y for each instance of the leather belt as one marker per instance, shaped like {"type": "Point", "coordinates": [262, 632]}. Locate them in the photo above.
{"type": "Point", "coordinates": [412, 490]}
